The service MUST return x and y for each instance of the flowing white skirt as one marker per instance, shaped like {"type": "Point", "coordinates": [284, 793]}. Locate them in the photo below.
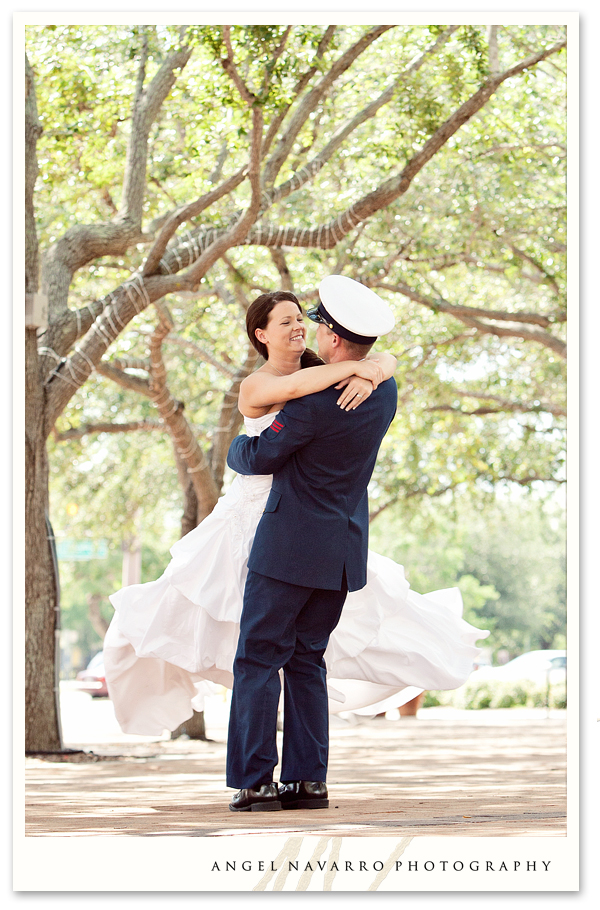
{"type": "Point", "coordinates": [171, 640]}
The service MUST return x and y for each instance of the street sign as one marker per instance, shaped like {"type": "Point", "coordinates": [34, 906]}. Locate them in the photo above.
{"type": "Point", "coordinates": [69, 549]}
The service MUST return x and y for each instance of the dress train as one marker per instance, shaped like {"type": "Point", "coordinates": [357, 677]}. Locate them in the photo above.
{"type": "Point", "coordinates": [172, 641]}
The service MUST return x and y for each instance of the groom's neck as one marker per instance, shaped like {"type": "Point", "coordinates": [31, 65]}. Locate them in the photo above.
{"type": "Point", "coordinates": [343, 353]}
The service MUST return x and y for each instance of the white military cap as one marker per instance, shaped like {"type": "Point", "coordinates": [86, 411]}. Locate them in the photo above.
{"type": "Point", "coordinates": [351, 310]}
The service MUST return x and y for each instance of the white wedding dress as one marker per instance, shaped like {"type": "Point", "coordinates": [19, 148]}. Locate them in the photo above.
{"type": "Point", "coordinates": [172, 639]}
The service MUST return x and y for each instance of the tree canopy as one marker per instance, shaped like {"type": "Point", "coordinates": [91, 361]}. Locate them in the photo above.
{"type": "Point", "coordinates": [469, 250]}
{"type": "Point", "coordinates": [175, 173]}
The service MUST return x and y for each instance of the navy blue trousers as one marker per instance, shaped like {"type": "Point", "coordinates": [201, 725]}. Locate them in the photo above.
{"type": "Point", "coordinates": [283, 626]}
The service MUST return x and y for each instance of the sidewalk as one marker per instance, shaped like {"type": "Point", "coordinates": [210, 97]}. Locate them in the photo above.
{"type": "Point", "coordinates": [447, 772]}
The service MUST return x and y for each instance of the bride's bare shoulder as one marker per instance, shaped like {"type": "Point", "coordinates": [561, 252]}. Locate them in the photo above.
{"type": "Point", "coordinates": [248, 391]}
{"type": "Point", "coordinates": [256, 380]}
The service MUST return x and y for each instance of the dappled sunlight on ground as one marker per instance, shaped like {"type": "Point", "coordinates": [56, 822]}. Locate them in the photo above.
{"type": "Point", "coordinates": [490, 773]}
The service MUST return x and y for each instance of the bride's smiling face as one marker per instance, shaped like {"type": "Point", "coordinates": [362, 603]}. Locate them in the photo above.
{"type": "Point", "coordinates": [285, 331]}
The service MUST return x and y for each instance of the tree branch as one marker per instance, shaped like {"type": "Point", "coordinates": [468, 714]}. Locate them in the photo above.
{"type": "Point", "coordinates": [425, 491]}
{"type": "Point", "coordinates": [281, 265]}
{"type": "Point", "coordinates": [203, 354]}
{"type": "Point", "coordinates": [493, 58]}
{"type": "Point", "coordinates": [544, 338]}
{"type": "Point", "coordinates": [131, 363]}
{"type": "Point", "coordinates": [184, 214]}
{"type": "Point", "coordinates": [274, 58]}
{"type": "Point", "coordinates": [546, 276]}
{"type": "Point", "coordinates": [83, 243]}
{"type": "Point", "coordinates": [230, 418]}
{"type": "Point", "coordinates": [136, 294]}
{"type": "Point", "coordinates": [327, 236]}
{"type": "Point", "coordinates": [172, 415]}
{"type": "Point", "coordinates": [117, 310]}
{"type": "Point", "coordinates": [230, 68]}
{"type": "Point", "coordinates": [557, 410]}
{"type": "Point", "coordinates": [297, 90]}
{"type": "Point", "coordinates": [466, 315]}
{"type": "Point", "coordinates": [527, 146]}
{"type": "Point", "coordinates": [147, 105]}
{"type": "Point", "coordinates": [430, 348]}
{"type": "Point", "coordinates": [87, 429]}
{"type": "Point", "coordinates": [310, 170]}
{"type": "Point", "coordinates": [125, 380]}
{"type": "Point", "coordinates": [189, 518]}
{"type": "Point", "coordinates": [440, 261]}
{"type": "Point", "coordinates": [237, 233]}
{"type": "Point", "coordinates": [307, 106]}
{"type": "Point", "coordinates": [524, 407]}
{"type": "Point", "coordinates": [455, 309]}
{"type": "Point", "coordinates": [410, 494]}
{"type": "Point", "coordinates": [531, 478]}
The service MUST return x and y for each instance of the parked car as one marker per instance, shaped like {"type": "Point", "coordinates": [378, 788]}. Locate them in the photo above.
{"type": "Point", "coordinates": [537, 666]}
{"type": "Point", "coordinates": [92, 679]}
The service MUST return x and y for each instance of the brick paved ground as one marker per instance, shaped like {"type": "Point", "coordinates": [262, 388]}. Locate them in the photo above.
{"type": "Point", "coordinates": [476, 773]}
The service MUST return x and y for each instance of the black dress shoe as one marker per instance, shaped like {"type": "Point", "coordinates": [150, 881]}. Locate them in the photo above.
{"type": "Point", "coordinates": [303, 794]}
{"type": "Point", "coordinates": [265, 799]}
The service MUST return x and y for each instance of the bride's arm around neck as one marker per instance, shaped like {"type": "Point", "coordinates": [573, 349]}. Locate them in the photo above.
{"type": "Point", "coordinates": [263, 391]}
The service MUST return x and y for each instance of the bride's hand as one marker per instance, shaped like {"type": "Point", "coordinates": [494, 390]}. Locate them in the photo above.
{"type": "Point", "coordinates": [356, 391]}
{"type": "Point", "coordinates": [369, 369]}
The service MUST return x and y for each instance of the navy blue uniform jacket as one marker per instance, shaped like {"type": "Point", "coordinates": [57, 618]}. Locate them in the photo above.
{"type": "Point", "coordinates": [316, 519]}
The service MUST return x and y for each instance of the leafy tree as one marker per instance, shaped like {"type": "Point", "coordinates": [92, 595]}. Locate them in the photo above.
{"type": "Point", "coordinates": [184, 170]}
{"type": "Point", "coordinates": [506, 555]}
{"type": "Point", "coordinates": [85, 608]}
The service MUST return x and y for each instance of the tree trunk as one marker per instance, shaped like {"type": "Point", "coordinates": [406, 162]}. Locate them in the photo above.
{"type": "Point", "coordinates": [411, 707]}
{"type": "Point", "coordinates": [189, 518]}
{"type": "Point", "coordinates": [42, 721]}
{"type": "Point", "coordinates": [193, 727]}
{"type": "Point", "coordinates": [99, 624]}
{"type": "Point", "coordinates": [132, 559]}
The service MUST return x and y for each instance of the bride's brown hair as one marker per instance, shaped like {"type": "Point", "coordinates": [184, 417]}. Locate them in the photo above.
{"type": "Point", "coordinates": [257, 317]}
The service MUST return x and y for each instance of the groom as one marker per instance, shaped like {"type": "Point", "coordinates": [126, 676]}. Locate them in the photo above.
{"type": "Point", "coordinates": [310, 549]}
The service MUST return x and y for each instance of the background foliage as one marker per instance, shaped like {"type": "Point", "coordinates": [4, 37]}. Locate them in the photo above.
{"type": "Point", "coordinates": [472, 258]}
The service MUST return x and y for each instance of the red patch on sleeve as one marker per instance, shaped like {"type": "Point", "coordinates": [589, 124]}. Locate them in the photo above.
{"type": "Point", "coordinates": [276, 426]}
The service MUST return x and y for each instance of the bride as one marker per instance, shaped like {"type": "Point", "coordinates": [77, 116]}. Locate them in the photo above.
{"type": "Point", "coordinates": [172, 639]}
